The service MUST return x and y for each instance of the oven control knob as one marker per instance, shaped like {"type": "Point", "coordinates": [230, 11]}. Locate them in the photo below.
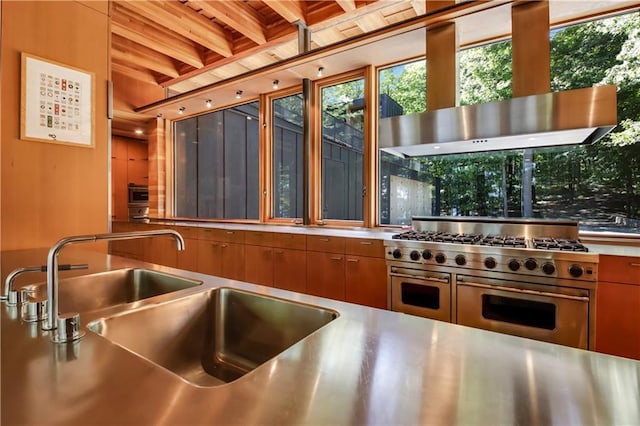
{"type": "Point", "coordinates": [575, 270]}
{"type": "Point", "coordinates": [426, 255]}
{"type": "Point", "coordinates": [548, 268]}
{"type": "Point", "coordinates": [441, 258]}
{"type": "Point", "coordinates": [490, 262]}
{"type": "Point", "coordinates": [414, 255]}
{"type": "Point", "coordinates": [397, 254]}
{"type": "Point", "coordinates": [514, 265]}
{"type": "Point", "coordinates": [460, 260]}
{"type": "Point", "coordinates": [530, 264]}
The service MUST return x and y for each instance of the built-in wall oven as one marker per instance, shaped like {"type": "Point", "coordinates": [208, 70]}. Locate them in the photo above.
{"type": "Point", "coordinates": [530, 286]}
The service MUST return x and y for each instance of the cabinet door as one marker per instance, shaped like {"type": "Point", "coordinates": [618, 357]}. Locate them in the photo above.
{"type": "Point", "coordinates": [209, 257]}
{"type": "Point", "coordinates": [119, 189]}
{"type": "Point", "coordinates": [162, 251]}
{"type": "Point", "coordinates": [618, 319]}
{"type": "Point", "coordinates": [366, 281]}
{"type": "Point", "coordinates": [290, 269]}
{"type": "Point", "coordinates": [232, 261]}
{"type": "Point", "coordinates": [187, 259]}
{"type": "Point", "coordinates": [258, 265]}
{"type": "Point", "coordinates": [325, 275]}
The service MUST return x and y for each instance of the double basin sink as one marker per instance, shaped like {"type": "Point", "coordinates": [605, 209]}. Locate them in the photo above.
{"type": "Point", "coordinates": [207, 338]}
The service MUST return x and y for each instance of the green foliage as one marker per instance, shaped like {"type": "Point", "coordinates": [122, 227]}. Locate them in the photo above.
{"type": "Point", "coordinates": [589, 183]}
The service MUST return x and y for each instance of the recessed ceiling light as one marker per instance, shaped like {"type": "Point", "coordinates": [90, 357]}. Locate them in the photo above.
{"type": "Point", "coordinates": [208, 103]}
{"type": "Point", "coordinates": [181, 110]}
{"type": "Point", "coordinates": [320, 71]}
{"type": "Point", "coordinates": [276, 83]}
{"type": "Point", "coordinates": [238, 94]}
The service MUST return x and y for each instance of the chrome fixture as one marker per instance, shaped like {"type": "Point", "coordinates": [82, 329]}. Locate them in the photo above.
{"type": "Point", "coordinates": [67, 327]}
{"type": "Point", "coordinates": [570, 117]}
{"type": "Point", "coordinates": [12, 297]}
{"type": "Point", "coordinates": [238, 94]}
{"type": "Point", "coordinates": [276, 84]}
{"type": "Point", "coordinates": [208, 103]}
{"type": "Point", "coordinates": [320, 72]}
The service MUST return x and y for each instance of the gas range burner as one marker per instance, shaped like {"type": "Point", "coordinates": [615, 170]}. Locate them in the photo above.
{"type": "Point", "coordinates": [503, 241]}
{"type": "Point", "coordinates": [440, 237]}
{"type": "Point", "coordinates": [562, 244]}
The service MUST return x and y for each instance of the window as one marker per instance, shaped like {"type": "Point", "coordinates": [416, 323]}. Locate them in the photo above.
{"type": "Point", "coordinates": [598, 185]}
{"type": "Point", "coordinates": [342, 147]}
{"type": "Point", "coordinates": [287, 157]}
{"type": "Point", "coordinates": [405, 190]}
{"type": "Point", "coordinates": [217, 164]}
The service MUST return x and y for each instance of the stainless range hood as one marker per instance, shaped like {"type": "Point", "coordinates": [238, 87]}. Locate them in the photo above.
{"type": "Point", "coordinates": [579, 116]}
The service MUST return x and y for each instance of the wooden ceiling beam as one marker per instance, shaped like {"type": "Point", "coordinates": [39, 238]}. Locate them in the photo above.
{"type": "Point", "coordinates": [291, 10]}
{"type": "Point", "coordinates": [144, 35]}
{"type": "Point", "coordinates": [140, 75]}
{"type": "Point", "coordinates": [141, 56]}
{"type": "Point", "coordinates": [347, 5]}
{"type": "Point", "coordinates": [184, 21]}
{"type": "Point", "coordinates": [238, 15]}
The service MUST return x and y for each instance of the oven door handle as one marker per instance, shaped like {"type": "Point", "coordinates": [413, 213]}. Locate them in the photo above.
{"type": "Point", "coordinates": [524, 291]}
{"type": "Point", "coordinates": [422, 277]}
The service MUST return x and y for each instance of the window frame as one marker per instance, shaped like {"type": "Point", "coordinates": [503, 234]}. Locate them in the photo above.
{"type": "Point", "coordinates": [315, 173]}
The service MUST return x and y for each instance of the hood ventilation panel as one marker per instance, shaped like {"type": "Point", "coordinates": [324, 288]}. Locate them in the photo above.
{"type": "Point", "coordinates": [580, 116]}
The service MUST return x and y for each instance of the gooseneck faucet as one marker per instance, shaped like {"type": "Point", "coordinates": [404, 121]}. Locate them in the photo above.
{"type": "Point", "coordinates": [70, 323]}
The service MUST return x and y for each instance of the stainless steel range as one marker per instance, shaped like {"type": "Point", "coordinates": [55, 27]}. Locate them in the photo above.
{"type": "Point", "coordinates": [530, 278]}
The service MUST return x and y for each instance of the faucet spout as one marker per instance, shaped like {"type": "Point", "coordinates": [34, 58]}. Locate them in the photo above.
{"type": "Point", "coordinates": [51, 322]}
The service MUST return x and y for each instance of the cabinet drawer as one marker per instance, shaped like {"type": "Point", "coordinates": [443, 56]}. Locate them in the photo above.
{"type": "Point", "coordinates": [325, 244]}
{"type": "Point", "coordinates": [619, 269]}
{"type": "Point", "coordinates": [365, 247]}
{"type": "Point", "coordinates": [187, 231]}
{"type": "Point", "coordinates": [223, 235]}
{"type": "Point", "coordinates": [258, 238]}
{"type": "Point", "coordinates": [290, 241]}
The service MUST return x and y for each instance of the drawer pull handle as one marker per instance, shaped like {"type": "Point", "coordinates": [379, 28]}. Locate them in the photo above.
{"type": "Point", "coordinates": [353, 260]}
{"type": "Point", "coordinates": [224, 245]}
{"type": "Point", "coordinates": [366, 243]}
{"type": "Point", "coordinates": [278, 251]}
{"type": "Point", "coordinates": [325, 240]}
{"type": "Point", "coordinates": [336, 258]}
{"type": "Point", "coordinates": [230, 232]}
{"type": "Point", "coordinates": [634, 264]}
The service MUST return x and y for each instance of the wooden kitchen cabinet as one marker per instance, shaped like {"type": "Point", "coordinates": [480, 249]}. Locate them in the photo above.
{"type": "Point", "coordinates": [137, 163]}
{"type": "Point", "coordinates": [290, 269]}
{"type": "Point", "coordinates": [366, 281]}
{"type": "Point", "coordinates": [218, 255]}
{"type": "Point", "coordinates": [618, 306]}
{"type": "Point", "coordinates": [326, 274]}
{"type": "Point", "coordinates": [258, 266]}
{"type": "Point", "coordinates": [188, 258]}
{"type": "Point", "coordinates": [366, 272]}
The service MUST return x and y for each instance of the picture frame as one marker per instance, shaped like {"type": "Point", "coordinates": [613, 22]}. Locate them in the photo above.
{"type": "Point", "coordinates": [57, 103]}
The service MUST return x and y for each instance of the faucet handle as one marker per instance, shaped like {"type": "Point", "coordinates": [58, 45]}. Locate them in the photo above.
{"type": "Point", "coordinates": [33, 310]}
{"type": "Point", "coordinates": [68, 328]}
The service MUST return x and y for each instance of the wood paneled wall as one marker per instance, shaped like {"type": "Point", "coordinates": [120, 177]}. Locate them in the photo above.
{"type": "Point", "coordinates": [49, 191]}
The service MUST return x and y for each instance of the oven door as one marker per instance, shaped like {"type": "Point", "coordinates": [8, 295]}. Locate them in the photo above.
{"type": "Point", "coordinates": [421, 293]}
{"type": "Point", "coordinates": [555, 315]}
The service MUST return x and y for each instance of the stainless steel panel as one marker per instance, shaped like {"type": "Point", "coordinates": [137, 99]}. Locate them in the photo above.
{"type": "Point", "coordinates": [570, 313]}
{"type": "Point", "coordinates": [559, 118]}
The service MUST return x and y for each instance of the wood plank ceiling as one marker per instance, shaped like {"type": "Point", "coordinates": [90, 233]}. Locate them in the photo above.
{"type": "Point", "coordinates": [181, 45]}
{"type": "Point", "coordinates": [169, 42]}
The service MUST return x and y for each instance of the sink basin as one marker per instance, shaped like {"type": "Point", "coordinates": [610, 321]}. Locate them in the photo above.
{"type": "Point", "coordinates": [96, 291]}
{"type": "Point", "coordinates": [213, 337]}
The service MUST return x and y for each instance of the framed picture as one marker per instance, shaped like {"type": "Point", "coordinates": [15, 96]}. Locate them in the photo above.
{"type": "Point", "coordinates": [57, 103]}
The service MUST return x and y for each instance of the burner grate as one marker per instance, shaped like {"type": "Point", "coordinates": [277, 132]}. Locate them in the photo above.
{"type": "Point", "coordinates": [546, 243]}
{"type": "Point", "coordinates": [504, 241]}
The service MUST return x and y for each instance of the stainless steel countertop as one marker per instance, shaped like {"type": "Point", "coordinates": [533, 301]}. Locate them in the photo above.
{"type": "Point", "coordinates": [368, 366]}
